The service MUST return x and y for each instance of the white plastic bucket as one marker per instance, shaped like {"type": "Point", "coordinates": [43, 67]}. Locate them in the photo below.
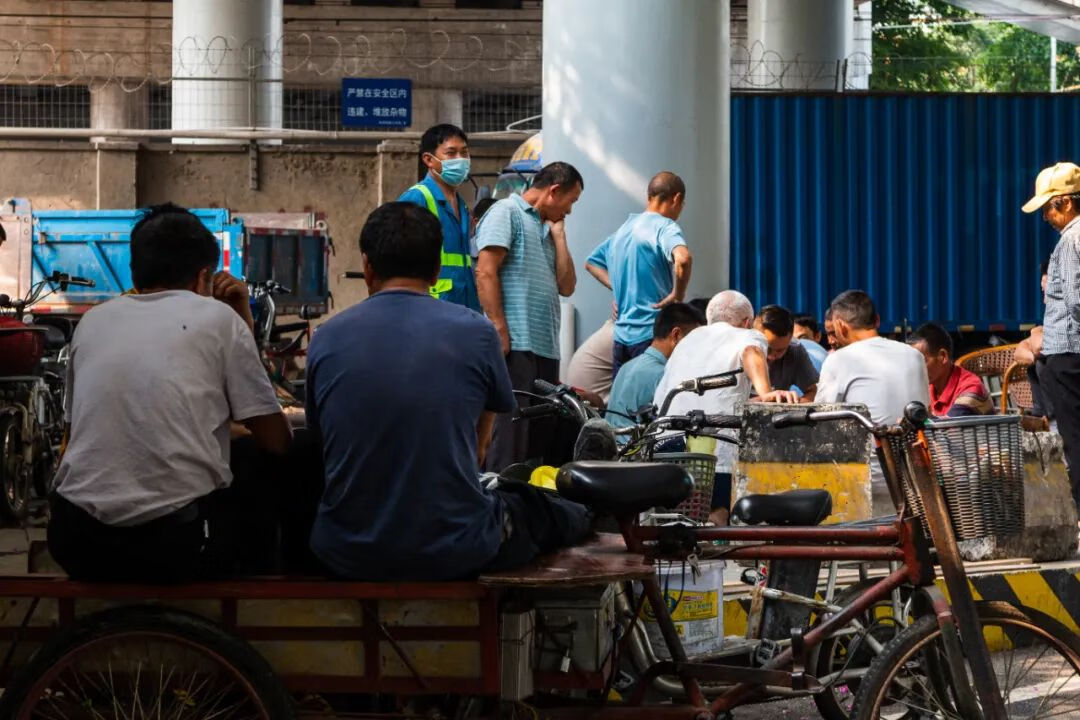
{"type": "Point", "coordinates": [696, 607]}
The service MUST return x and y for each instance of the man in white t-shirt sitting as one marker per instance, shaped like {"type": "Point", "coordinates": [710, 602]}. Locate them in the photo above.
{"type": "Point", "coordinates": [882, 374]}
{"type": "Point", "coordinates": [727, 343]}
{"type": "Point", "coordinates": [154, 380]}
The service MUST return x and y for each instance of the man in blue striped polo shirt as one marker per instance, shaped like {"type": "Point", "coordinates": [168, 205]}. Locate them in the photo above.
{"type": "Point", "coordinates": [523, 267]}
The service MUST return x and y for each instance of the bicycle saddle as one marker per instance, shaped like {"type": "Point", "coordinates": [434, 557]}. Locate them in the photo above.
{"type": "Point", "coordinates": [794, 507]}
{"type": "Point", "coordinates": [623, 488]}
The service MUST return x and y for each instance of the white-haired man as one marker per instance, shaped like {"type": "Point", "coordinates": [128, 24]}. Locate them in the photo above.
{"type": "Point", "coordinates": [727, 343]}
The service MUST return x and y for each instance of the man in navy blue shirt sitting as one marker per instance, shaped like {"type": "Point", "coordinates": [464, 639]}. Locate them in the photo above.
{"type": "Point", "coordinates": [404, 390]}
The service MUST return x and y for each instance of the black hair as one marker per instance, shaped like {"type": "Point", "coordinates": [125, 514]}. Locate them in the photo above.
{"type": "Point", "coordinates": [700, 304]}
{"type": "Point", "coordinates": [935, 337]}
{"type": "Point", "coordinates": [673, 316]}
{"type": "Point", "coordinates": [562, 174]}
{"type": "Point", "coordinates": [170, 247]}
{"type": "Point", "coordinates": [432, 138]}
{"type": "Point", "coordinates": [666, 185]}
{"type": "Point", "coordinates": [777, 320]}
{"type": "Point", "coordinates": [809, 322]}
{"type": "Point", "coordinates": [3, 234]}
{"type": "Point", "coordinates": [482, 207]}
{"type": "Point", "coordinates": [402, 240]}
{"type": "Point", "coordinates": [856, 309]}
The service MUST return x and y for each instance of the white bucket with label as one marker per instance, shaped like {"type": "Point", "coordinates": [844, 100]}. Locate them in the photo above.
{"type": "Point", "coordinates": [696, 607]}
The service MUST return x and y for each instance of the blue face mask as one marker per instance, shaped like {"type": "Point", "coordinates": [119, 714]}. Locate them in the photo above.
{"type": "Point", "coordinates": [455, 171]}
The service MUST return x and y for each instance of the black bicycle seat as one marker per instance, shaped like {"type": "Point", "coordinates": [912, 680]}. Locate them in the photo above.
{"type": "Point", "coordinates": [794, 507]}
{"type": "Point", "coordinates": [623, 488]}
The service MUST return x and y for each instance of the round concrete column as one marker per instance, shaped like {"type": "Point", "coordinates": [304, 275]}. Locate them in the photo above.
{"type": "Point", "coordinates": [811, 37]}
{"type": "Point", "coordinates": [632, 87]}
{"type": "Point", "coordinates": [226, 64]}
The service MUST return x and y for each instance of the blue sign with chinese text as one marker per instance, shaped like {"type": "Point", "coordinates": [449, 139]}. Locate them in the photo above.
{"type": "Point", "coordinates": [376, 103]}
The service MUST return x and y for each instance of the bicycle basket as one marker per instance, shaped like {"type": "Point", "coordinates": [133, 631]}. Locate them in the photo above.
{"type": "Point", "coordinates": [979, 464]}
{"type": "Point", "coordinates": [702, 468]}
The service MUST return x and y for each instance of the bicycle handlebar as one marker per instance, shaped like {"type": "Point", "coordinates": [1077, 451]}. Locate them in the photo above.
{"type": "Point", "coordinates": [915, 416]}
{"type": "Point", "coordinates": [537, 411]}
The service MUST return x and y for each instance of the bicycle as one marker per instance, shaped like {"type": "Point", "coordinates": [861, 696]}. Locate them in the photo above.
{"type": "Point", "coordinates": [31, 397]}
{"type": "Point", "coordinates": [938, 640]}
{"type": "Point", "coordinates": [279, 354]}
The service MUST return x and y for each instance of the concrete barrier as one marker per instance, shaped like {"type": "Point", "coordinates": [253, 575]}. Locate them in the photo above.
{"type": "Point", "coordinates": [831, 456]}
{"type": "Point", "coordinates": [1050, 531]}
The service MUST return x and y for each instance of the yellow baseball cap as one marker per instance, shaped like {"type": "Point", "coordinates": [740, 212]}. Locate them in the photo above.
{"type": "Point", "coordinates": [1060, 179]}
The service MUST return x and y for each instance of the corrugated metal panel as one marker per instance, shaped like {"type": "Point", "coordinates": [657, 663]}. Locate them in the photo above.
{"type": "Point", "coordinates": [915, 199]}
{"type": "Point", "coordinates": [96, 244]}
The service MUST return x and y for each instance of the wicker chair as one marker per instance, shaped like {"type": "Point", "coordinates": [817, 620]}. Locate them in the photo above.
{"type": "Point", "coordinates": [990, 364]}
{"type": "Point", "coordinates": [1016, 390]}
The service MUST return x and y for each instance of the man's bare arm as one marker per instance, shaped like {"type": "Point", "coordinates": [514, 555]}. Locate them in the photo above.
{"type": "Point", "coordinates": [489, 288]}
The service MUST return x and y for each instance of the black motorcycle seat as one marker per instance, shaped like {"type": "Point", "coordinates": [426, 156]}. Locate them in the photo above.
{"type": "Point", "coordinates": [623, 488]}
{"type": "Point", "coordinates": [54, 337]}
{"type": "Point", "coordinates": [794, 507]}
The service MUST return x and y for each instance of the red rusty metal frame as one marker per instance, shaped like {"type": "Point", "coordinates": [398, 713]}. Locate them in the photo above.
{"type": "Point", "coordinates": [371, 633]}
{"type": "Point", "coordinates": [271, 588]}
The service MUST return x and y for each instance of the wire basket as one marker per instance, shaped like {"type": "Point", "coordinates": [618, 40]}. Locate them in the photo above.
{"type": "Point", "coordinates": [979, 464]}
{"type": "Point", "coordinates": [702, 469]}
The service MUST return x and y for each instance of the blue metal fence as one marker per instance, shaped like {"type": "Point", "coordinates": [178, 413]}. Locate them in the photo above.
{"type": "Point", "coordinates": [915, 199]}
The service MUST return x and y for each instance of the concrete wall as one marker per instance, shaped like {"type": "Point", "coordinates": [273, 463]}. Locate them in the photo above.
{"type": "Point", "coordinates": [435, 45]}
{"type": "Point", "coordinates": [344, 182]}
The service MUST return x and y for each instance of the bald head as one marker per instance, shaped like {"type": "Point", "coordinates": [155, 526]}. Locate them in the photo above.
{"type": "Point", "coordinates": [730, 306]}
{"type": "Point", "coordinates": [667, 193]}
{"type": "Point", "coordinates": [666, 185]}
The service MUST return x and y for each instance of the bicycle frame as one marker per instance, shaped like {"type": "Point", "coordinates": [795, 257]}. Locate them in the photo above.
{"type": "Point", "coordinates": [902, 542]}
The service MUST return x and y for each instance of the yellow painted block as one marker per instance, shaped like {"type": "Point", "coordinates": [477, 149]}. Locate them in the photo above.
{"type": "Point", "coordinates": [458, 659]}
{"type": "Point", "coordinates": [209, 609]}
{"type": "Point", "coordinates": [848, 483]}
{"type": "Point", "coordinates": [426, 613]}
{"type": "Point", "coordinates": [13, 612]}
{"type": "Point", "coordinates": [300, 613]}
{"type": "Point", "coordinates": [339, 658]}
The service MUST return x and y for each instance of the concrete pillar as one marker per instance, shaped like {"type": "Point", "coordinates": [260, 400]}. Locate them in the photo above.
{"type": "Point", "coordinates": [811, 37]}
{"type": "Point", "coordinates": [861, 62]}
{"type": "Point", "coordinates": [227, 70]}
{"type": "Point", "coordinates": [632, 87]}
{"type": "Point", "coordinates": [433, 106]}
{"type": "Point", "coordinates": [113, 108]}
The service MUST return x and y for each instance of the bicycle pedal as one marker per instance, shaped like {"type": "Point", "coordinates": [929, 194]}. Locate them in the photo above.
{"type": "Point", "coordinates": [766, 651]}
{"type": "Point", "coordinates": [750, 576]}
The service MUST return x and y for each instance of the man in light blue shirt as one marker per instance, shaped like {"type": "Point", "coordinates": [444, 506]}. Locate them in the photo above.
{"type": "Point", "coordinates": [646, 264]}
{"type": "Point", "coordinates": [523, 266]}
{"type": "Point", "coordinates": [636, 382]}
{"type": "Point", "coordinates": [808, 334]}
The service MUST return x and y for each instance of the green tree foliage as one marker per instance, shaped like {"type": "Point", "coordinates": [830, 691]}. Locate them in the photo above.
{"type": "Point", "coordinates": [924, 57]}
{"type": "Point", "coordinates": [965, 56]}
{"type": "Point", "coordinates": [1017, 60]}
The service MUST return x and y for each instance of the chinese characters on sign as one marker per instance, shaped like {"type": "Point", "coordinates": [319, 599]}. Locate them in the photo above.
{"type": "Point", "coordinates": [376, 103]}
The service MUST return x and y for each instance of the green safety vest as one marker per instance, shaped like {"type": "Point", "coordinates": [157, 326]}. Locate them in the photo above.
{"type": "Point", "coordinates": [442, 285]}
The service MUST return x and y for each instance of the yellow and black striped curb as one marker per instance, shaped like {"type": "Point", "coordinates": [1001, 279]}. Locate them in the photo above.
{"type": "Point", "coordinates": [1054, 591]}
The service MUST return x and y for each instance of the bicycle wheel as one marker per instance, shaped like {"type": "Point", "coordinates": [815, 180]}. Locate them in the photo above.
{"type": "Point", "coordinates": [1036, 660]}
{"type": "Point", "coordinates": [848, 653]}
{"type": "Point", "coordinates": [140, 663]}
{"type": "Point", "coordinates": [15, 473]}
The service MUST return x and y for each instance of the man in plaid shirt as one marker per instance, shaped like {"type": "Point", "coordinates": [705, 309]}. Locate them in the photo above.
{"type": "Point", "coordinates": [1057, 192]}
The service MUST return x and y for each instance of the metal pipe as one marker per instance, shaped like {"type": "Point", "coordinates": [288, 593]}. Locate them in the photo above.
{"type": "Point", "coordinates": [642, 652]}
{"type": "Point", "coordinates": [874, 534]}
{"type": "Point", "coordinates": [805, 552]}
{"type": "Point", "coordinates": [238, 134]}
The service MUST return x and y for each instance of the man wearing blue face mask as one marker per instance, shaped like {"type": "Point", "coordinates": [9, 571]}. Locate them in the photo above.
{"type": "Point", "coordinates": [443, 167]}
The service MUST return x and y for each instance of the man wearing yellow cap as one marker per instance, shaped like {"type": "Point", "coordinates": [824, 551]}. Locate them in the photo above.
{"type": "Point", "coordinates": [1057, 192]}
